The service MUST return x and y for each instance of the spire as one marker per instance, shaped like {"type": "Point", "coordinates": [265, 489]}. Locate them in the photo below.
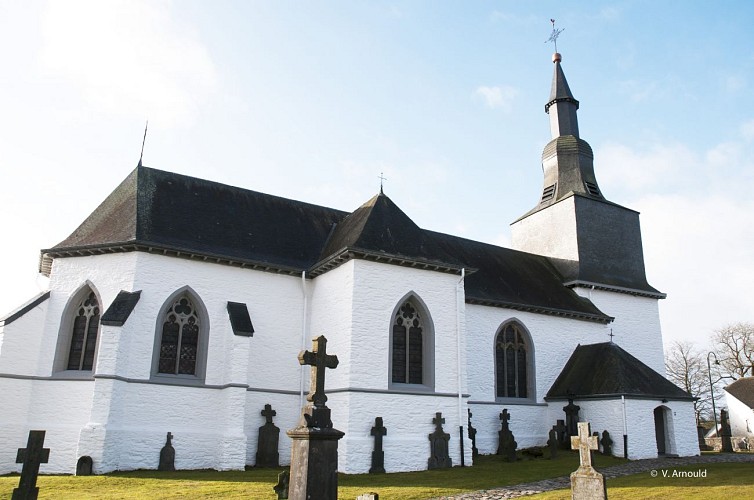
{"type": "Point", "coordinates": [562, 106]}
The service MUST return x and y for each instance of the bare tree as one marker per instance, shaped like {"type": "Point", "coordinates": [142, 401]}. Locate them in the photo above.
{"type": "Point", "coordinates": [687, 368]}
{"type": "Point", "coordinates": [734, 345]}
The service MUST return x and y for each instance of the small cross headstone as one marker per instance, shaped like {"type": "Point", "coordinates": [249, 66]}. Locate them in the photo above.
{"type": "Point", "coordinates": [84, 466]}
{"type": "Point", "coordinates": [607, 443]}
{"type": "Point", "coordinates": [725, 433]}
{"type": "Point", "coordinates": [553, 443]}
{"type": "Point", "coordinates": [281, 489]}
{"type": "Point", "coordinates": [562, 430]}
{"type": "Point", "coordinates": [167, 455]}
{"type": "Point", "coordinates": [319, 361]}
{"type": "Point", "coordinates": [572, 418]}
{"type": "Point", "coordinates": [438, 443]}
{"type": "Point", "coordinates": [586, 483]}
{"type": "Point", "coordinates": [269, 434]}
{"type": "Point", "coordinates": [506, 443]}
{"type": "Point", "coordinates": [32, 457]}
{"type": "Point", "coordinates": [378, 456]}
{"type": "Point", "coordinates": [472, 436]}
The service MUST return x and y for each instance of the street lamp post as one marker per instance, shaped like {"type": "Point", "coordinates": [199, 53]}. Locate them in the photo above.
{"type": "Point", "coordinates": [712, 389]}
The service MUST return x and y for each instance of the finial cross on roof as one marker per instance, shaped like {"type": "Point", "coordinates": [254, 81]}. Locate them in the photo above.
{"type": "Point", "coordinates": [611, 335]}
{"type": "Point", "coordinates": [319, 360]}
{"type": "Point", "coordinates": [585, 444]}
{"type": "Point", "coordinates": [382, 178]}
{"type": "Point", "coordinates": [554, 35]}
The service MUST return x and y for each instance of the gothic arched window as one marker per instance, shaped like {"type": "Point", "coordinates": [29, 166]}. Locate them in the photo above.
{"type": "Point", "coordinates": [179, 342]}
{"type": "Point", "coordinates": [512, 362]}
{"type": "Point", "coordinates": [84, 333]}
{"type": "Point", "coordinates": [408, 345]}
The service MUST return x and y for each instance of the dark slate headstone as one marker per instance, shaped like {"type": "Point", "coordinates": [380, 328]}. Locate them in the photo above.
{"type": "Point", "coordinates": [472, 436]}
{"type": "Point", "coordinates": [378, 456]}
{"type": "Point", "coordinates": [507, 443]}
{"type": "Point", "coordinates": [240, 321]}
{"type": "Point", "coordinates": [438, 444]}
{"type": "Point", "coordinates": [553, 443]}
{"type": "Point", "coordinates": [121, 308]}
{"type": "Point", "coordinates": [563, 438]}
{"type": "Point", "coordinates": [85, 466]}
{"type": "Point", "coordinates": [725, 432]}
{"type": "Point", "coordinates": [703, 446]}
{"type": "Point", "coordinates": [607, 443]}
{"type": "Point", "coordinates": [32, 457]}
{"type": "Point", "coordinates": [267, 444]}
{"type": "Point", "coordinates": [572, 418]}
{"type": "Point", "coordinates": [167, 455]}
{"type": "Point", "coordinates": [281, 489]}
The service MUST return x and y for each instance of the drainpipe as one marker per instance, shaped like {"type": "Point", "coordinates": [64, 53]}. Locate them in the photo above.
{"type": "Point", "coordinates": [459, 305]}
{"type": "Point", "coordinates": [625, 431]}
{"type": "Point", "coordinates": [303, 339]}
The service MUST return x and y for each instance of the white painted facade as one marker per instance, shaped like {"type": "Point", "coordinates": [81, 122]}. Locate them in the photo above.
{"type": "Point", "coordinates": [741, 417]}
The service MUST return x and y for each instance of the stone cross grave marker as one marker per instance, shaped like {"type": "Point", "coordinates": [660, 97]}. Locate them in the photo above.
{"type": "Point", "coordinates": [438, 443]}
{"type": "Point", "coordinates": [378, 456]}
{"type": "Point", "coordinates": [553, 442]}
{"type": "Point", "coordinates": [506, 441]}
{"type": "Point", "coordinates": [314, 450]}
{"type": "Point", "coordinates": [32, 457]}
{"type": "Point", "coordinates": [572, 417]}
{"type": "Point", "coordinates": [269, 434]}
{"type": "Point", "coordinates": [561, 429]}
{"type": "Point", "coordinates": [472, 435]}
{"type": "Point", "coordinates": [167, 455]}
{"type": "Point", "coordinates": [586, 482]}
{"type": "Point", "coordinates": [607, 443]}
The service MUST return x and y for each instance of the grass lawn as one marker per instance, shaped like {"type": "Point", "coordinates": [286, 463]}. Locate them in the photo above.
{"type": "Point", "coordinates": [488, 472]}
{"type": "Point", "coordinates": [723, 482]}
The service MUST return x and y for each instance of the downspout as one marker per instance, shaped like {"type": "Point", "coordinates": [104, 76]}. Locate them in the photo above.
{"type": "Point", "coordinates": [459, 305]}
{"type": "Point", "coordinates": [625, 431]}
{"type": "Point", "coordinates": [303, 339]}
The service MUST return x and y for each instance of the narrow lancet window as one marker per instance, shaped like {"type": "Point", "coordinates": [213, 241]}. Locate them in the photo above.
{"type": "Point", "coordinates": [511, 362]}
{"type": "Point", "coordinates": [408, 345]}
{"type": "Point", "coordinates": [180, 339]}
{"type": "Point", "coordinates": [84, 335]}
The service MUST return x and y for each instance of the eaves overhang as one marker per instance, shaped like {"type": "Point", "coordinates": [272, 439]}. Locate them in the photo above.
{"type": "Point", "coordinates": [563, 313]}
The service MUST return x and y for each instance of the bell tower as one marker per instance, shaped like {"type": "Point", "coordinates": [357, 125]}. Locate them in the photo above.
{"type": "Point", "coordinates": [593, 242]}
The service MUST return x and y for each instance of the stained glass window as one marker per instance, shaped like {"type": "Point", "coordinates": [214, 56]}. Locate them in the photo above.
{"type": "Point", "coordinates": [179, 343]}
{"type": "Point", "coordinates": [511, 362]}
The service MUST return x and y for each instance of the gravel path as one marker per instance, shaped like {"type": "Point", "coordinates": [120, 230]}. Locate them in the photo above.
{"type": "Point", "coordinates": [633, 467]}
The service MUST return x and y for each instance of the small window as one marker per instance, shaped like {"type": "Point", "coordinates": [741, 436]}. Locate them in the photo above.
{"type": "Point", "coordinates": [84, 333]}
{"type": "Point", "coordinates": [512, 365]}
{"type": "Point", "coordinates": [179, 344]}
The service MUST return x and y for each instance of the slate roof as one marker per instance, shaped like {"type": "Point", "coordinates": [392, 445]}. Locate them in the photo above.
{"type": "Point", "coordinates": [173, 214]}
{"type": "Point", "coordinates": [743, 390]}
{"type": "Point", "coordinates": [607, 370]}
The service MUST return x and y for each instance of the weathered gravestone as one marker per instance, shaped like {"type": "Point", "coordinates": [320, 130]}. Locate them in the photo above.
{"type": "Point", "coordinates": [378, 456]}
{"type": "Point", "coordinates": [725, 433]}
{"type": "Point", "coordinates": [586, 482]}
{"type": "Point", "coordinates": [269, 434]}
{"type": "Point", "coordinates": [472, 436]}
{"type": "Point", "coordinates": [563, 439]}
{"type": "Point", "coordinates": [572, 418]}
{"type": "Point", "coordinates": [506, 443]}
{"type": "Point", "coordinates": [314, 451]}
{"type": "Point", "coordinates": [281, 489]}
{"type": "Point", "coordinates": [607, 443]}
{"type": "Point", "coordinates": [553, 443]}
{"type": "Point", "coordinates": [700, 431]}
{"type": "Point", "coordinates": [32, 457]}
{"type": "Point", "coordinates": [438, 444]}
{"type": "Point", "coordinates": [167, 455]}
{"type": "Point", "coordinates": [368, 496]}
{"type": "Point", "coordinates": [84, 466]}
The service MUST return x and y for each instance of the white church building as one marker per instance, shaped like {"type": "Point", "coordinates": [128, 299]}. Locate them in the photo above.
{"type": "Point", "coordinates": [180, 305]}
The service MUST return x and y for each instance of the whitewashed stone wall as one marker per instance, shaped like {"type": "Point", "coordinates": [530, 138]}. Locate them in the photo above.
{"type": "Point", "coordinates": [534, 233]}
{"type": "Point", "coordinates": [741, 417]}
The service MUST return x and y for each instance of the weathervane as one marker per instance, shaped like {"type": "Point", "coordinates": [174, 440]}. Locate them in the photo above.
{"type": "Point", "coordinates": [554, 35]}
{"type": "Point", "coordinates": [143, 142]}
{"type": "Point", "coordinates": [382, 178]}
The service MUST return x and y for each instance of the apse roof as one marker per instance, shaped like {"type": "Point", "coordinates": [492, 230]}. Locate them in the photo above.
{"type": "Point", "coordinates": [607, 370]}
{"type": "Point", "coordinates": [178, 215]}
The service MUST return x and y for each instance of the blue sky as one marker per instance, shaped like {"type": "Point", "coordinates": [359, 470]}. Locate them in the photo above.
{"type": "Point", "coordinates": [313, 100]}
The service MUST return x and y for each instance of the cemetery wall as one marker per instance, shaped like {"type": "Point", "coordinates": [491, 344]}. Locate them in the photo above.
{"type": "Point", "coordinates": [741, 417]}
{"type": "Point", "coordinates": [636, 326]}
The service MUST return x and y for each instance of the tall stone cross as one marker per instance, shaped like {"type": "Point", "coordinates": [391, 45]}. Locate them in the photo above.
{"type": "Point", "coordinates": [585, 444]}
{"type": "Point", "coordinates": [268, 413]}
{"type": "Point", "coordinates": [438, 421]}
{"type": "Point", "coordinates": [378, 456]}
{"type": "Point", "coordinates": [319, 360]}
{"type": "Point", "coordinates": [32, 457]}
{"type": "Point", "coordinates": [504, 418]}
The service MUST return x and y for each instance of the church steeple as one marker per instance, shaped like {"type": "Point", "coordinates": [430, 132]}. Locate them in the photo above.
{"type": "Point", "coordinates": [562, 105]}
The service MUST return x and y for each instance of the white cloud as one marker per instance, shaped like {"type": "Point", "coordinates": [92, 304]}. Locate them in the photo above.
{"type": "Point", "coordinates": [127, 57]}
{"type": "Point", "coordinates": [620, 167]}
{"type": "Point", "coordinates": [498, 97]}
{"type": "Point", "coordinates": [747, 130]}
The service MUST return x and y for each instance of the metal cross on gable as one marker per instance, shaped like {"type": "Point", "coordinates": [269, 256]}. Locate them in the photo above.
{"type": "Point", "coordinates": [319, 361]}
{"type": "Point", "coordinates": [585, 444]}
